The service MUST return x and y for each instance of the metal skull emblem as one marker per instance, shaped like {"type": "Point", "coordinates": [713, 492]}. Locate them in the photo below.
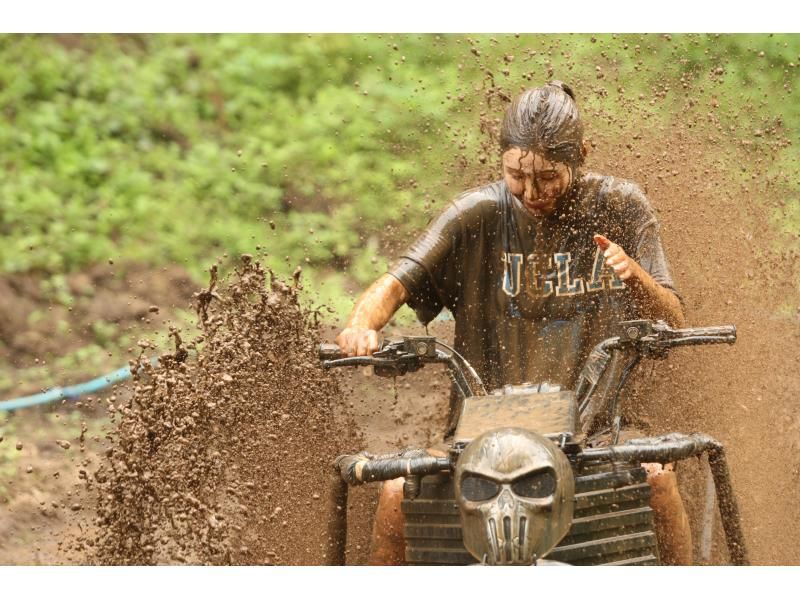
{"type": "Point", "coordinates": [515, 491]}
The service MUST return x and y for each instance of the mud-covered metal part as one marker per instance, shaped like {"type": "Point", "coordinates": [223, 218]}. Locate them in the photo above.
{"type": "Point", "coordinates": [422, 346]}
{"type": "Point", "coordinates": [329, 352]}
{"type": "Point", "coordinates": [542, 408]}
{"type": "Point", "coordinates": [675, 447]}
{"type": "Point", "coordinates": [653, 339]}
{"type": "Point", "coordinates": [362, 467]}
{"type": "Point", "coordinates": [639, 339]}
{"type": "Point", "coordinates": [612, 522]}
{"type": "Point", "coordinates": [592, 371]}
{"type": "Point", "coordinates": [410, 352]}
{"type": "Point", "coordinates": [709, 511]}
{"type": "Point", "coordinates": [459, 363]}
{"type": "Point", "coordinates": [616, 406]}
{"type": "Point", "coordinates": [411, 486]}
{"type": "Point", "coordinates": [337, 520]}
{"type": "Point", "coordinates": [515, 491]}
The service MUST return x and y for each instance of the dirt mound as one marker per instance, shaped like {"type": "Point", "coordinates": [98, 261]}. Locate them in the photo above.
{"type": "Point", "coordinates": [226, 457]}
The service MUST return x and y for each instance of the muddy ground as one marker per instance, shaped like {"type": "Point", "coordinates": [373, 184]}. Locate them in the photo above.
{"type": "Point", "coordinates": [64, 329]}
{"type": "Point", "coordinates": [47, 514]}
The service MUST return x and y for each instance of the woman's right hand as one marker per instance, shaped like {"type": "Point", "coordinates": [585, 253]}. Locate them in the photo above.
{"type": "Point", "coordinates": [358, 342]}
{"type": "Point", "coordinates": [372, 311]}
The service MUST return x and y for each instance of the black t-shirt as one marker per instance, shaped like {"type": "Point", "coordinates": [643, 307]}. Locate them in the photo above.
{"type": "Point", "coordinates": [531, 296]}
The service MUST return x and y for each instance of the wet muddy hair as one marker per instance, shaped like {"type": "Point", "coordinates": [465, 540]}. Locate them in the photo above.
{"type": "Point", "coordinates": [545, 120]}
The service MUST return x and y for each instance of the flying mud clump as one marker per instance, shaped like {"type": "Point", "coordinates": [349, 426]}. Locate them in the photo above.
{"type": "Point", "coordinates": [223, 453]}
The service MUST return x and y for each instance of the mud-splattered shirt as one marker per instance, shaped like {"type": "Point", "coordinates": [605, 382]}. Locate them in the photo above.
{"type": "Point", "coordinates": [531, 296]}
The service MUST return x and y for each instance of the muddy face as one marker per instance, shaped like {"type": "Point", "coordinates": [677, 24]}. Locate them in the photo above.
{"type": "Point", "coordinates": [536, 181]}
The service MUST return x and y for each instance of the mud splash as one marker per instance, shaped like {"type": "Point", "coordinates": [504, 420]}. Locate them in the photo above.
{"type": "Point", "coordinates": [225, 458]}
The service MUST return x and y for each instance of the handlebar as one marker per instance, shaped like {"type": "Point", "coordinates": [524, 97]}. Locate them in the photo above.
{"type": "Point", "coordinates": [646, 339]}
{"type": "Point", "coordinates": [397, 357]}
{"type": "Point", "coordinates": [393, 358]}
{"type": "Point", "coordinates": [726, 331]}
{"type": "Point", "coordinates": [654, 338]}
{"type": "Point", "coordinates": [363, 467]}
{"type": "Point", "coordinates": [648, 336]}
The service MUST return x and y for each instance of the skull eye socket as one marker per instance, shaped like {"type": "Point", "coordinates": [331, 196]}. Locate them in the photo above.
{"type": "Point", "coordinates": [539, 484]}
{"type": "Point", "coordinates": [478, 489]}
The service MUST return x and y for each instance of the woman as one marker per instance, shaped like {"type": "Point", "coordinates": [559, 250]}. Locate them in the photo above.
{"type": "Point", "coordinates": [536, 268]}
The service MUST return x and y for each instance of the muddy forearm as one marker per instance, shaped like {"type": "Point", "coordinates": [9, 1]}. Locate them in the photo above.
{"type": "Point", "coordinates": [378, 304]}
{"type": "Point", "coordinates": [654, 301]}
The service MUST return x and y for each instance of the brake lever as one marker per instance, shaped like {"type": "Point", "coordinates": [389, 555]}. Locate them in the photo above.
{"type": "Point", "coordinates": [386, 367]}
{"type": "Point", "coordinates": [396, 357]}
{"type": "Point", "coordinates": [644, 336]}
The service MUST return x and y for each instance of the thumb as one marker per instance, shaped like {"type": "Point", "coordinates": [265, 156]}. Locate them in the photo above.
{"type": "Point", "coordinates": [602, 242]}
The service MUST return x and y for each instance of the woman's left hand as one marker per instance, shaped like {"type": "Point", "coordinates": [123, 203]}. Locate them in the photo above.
{"type": "Point", "coordinates": [616, 258]}
{"type": "Point", "coordinates": [655, 301]}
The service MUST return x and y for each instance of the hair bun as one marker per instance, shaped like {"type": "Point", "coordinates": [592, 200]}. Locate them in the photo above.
{"type": "Point", "coordinates": [545, 121]}
{"type": "Point", "coordinates": [563, 87]}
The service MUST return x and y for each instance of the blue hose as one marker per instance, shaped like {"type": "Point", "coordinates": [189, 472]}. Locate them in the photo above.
{"type": "Point", "coordinates": [69, 392]}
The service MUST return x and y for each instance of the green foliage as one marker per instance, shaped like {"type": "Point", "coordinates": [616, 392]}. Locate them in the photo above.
{"type": "Point", "coordinates": [178, 148]}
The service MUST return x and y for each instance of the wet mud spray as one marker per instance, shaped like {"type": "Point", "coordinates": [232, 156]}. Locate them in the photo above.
{"type": "Point", "coordinates": [223, 454]}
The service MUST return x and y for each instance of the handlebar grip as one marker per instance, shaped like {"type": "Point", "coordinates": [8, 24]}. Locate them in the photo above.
{"type": "Point", "coordinates": [361, 468]}
{"type": "Point", "coordinates": [702, 335]}
{"type": "Point", "coordinates": [705, 335]}
{"type": "Point", "coordinates": [330, 351]}
{"type": "Point", "coordinates": [729, 330]}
